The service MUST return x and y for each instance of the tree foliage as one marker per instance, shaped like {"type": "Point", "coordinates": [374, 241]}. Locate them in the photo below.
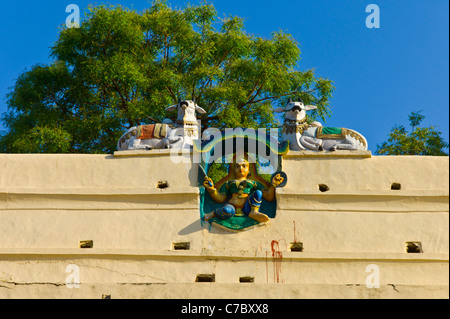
{"type": "Point", "coordinates": [122, 68]}
{"type": "Point", "coordinates": [420, 141]}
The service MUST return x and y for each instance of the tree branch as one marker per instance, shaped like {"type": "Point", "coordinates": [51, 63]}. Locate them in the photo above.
{"type": "Point", "coordinates": [124, 100]}
{"type": "Point", "coordinates": [281, 95]}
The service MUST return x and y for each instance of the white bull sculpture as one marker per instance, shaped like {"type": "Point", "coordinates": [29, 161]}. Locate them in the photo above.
{"type": "Point", "coordinates": [304, 136]}
{"type": "Point", "coordinates": [164, 135]}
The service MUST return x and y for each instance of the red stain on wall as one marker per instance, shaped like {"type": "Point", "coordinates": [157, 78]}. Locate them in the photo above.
{"type": "Point", "coordinates": [277, 257]}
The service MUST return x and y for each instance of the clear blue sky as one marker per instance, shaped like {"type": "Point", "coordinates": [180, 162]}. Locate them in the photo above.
{"type": "Point", "coordinates": [381, 75]}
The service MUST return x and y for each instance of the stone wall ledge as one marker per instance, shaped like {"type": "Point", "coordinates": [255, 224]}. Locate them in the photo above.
{"type": "Point", "coordinates": [329, 154]}
{"type": "Point", "coordinates": [99, 191]}
{"type": "Point", "coordinates": [157, 152]}
{"type": "Point", "coordinates": [364, 192]}
{"type": "Point", "coordinates": [195, 292]}
{"type": "Point", "coordinates": [195, 190]}
{"type": "Point", "coordinates": [57, 253]}
{"type": "Point", "coordinates": [172, 197]}
{"type": "Point", "coordinates": [168, 152]}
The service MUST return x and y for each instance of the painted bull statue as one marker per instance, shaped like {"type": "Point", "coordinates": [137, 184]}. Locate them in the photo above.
{"type": "Point", "coordinates": [165, 135]}
{"type": "Point", "coordinates": [304, 136]}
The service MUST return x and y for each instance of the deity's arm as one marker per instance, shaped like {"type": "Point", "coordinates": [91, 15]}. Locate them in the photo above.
{"type": "Point", "coordinates": [269, 194]}
{"type": "Point", "coordinates": [216, 196]}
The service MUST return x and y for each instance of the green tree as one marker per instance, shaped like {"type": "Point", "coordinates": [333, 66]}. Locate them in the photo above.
{"type": "Point", "coordinates": [122, 68]}
{"type": "Point", "coordinates": [420, 141]}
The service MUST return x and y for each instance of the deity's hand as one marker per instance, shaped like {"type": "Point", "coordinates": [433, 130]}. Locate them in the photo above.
{"type": "Point", "coordinates": [208, 183]}
{"type": "Point", "coordinates": [277, 180]}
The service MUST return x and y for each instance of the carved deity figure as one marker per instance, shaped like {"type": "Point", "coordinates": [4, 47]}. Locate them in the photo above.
{"type": "Point", "coordinates": [242, 195]}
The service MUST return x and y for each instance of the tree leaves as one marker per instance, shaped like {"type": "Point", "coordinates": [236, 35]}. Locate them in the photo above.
{"type": "Point", "coordinates": [421, 141]}
{"type": "Point", "coordinates": [123, 68]}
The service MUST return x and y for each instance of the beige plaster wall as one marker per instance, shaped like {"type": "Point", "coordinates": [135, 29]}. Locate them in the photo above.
{"type": "Point", "coordinates": [49, 203]}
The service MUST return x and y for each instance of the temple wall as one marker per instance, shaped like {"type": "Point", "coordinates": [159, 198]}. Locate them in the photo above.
{"type": "Point", "coordinates": [51, 203]}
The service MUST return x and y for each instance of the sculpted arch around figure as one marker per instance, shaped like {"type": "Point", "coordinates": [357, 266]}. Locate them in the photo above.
{"type": "Point", "coordinates": [243, 195]}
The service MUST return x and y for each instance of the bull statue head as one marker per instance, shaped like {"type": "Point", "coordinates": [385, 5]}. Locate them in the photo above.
{"type": "Point", "coordinates": [186, 110]}
{"type": "Point", "coordinates": [295, 110]}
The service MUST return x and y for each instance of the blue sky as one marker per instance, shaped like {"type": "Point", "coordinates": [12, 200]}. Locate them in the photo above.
{"type": "Point", "coordinates": [381, 75]}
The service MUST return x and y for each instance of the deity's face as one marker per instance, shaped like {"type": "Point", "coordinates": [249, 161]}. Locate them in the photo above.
{"type": "Point", "coordinates": [241, 169]}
